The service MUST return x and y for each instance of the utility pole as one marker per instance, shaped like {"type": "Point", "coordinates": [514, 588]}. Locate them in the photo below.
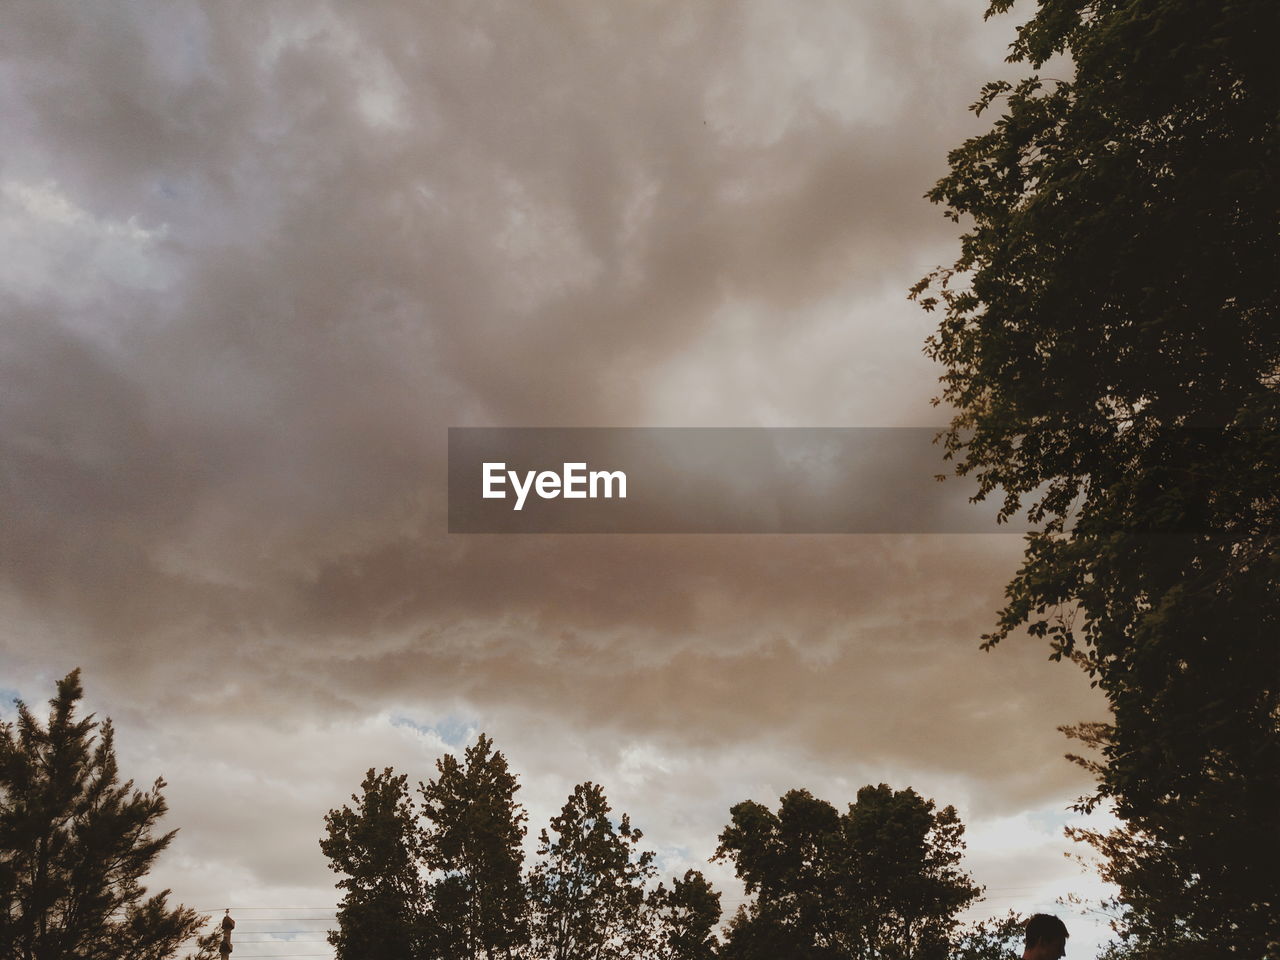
{"type": "Point", "coordinates": [224, 948]}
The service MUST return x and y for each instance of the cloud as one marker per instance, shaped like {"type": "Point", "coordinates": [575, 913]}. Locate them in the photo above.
{"type": "Point", "coordinates": [262, 256]}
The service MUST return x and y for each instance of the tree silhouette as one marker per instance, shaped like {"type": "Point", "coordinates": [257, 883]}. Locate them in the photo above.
{"type": "Point", "coordinates": [1112, 347]}
{"type": "Point", "coordinates": [442, 879]}
{"type": "Point", "coordinates": [472, 844]}
{"type": "Point", "coordinates": [879, 881]}
{"type": "Point", "coordinates": [587, 890]}
{"type": "Point", "coordinates": [997, 938]}
{"type": "Point", "coordinates": [686, 917]}
{"type": "Point", "coordinates": [75, 844]}
{"type": "Point", "coordinates": [376, 848]}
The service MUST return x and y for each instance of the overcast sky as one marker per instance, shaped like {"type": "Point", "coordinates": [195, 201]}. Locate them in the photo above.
{"type": "Point", "coordinates": [258, 257]}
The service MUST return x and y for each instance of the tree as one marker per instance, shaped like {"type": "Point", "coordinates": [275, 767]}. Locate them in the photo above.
{"type": "Point", "coordinates": [879, 881]}
{"type": "Point", "coordinates": [588, 889]}
{"type": "Point", "coordinates": [792, 861]}
{"type": "Point", "coordinates": [75, 844]}
{"type": "Point", "coordinates": [376, 847]}
{"type": "Point", "coordinates": [997, 938]}
{"type": "Point", "coordinates": [473, 844]}
{"type": "Point", "coordinates": [1112, 352]}
{"type": "Point", "coordinates": [687, 915]}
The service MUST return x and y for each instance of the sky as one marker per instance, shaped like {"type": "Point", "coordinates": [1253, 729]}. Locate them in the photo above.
{"type": "Point", "coordinates": [258, 257]}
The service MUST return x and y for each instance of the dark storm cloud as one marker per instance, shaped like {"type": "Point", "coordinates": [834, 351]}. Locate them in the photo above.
{"type": "Point", "coordinates": [263, 255]}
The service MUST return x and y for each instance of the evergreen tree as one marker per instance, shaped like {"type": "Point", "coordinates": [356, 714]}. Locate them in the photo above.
{"type": "Point", "coordinates": [588, 889]}
{"type": "Point", "coordinates": [75, 844]}
{"type": "Point", "coordinates": [1111, 339]}
{"type": "Point", "coordinates": [376, 848]}
{"type": "Point", "coordinates": [472, 843]}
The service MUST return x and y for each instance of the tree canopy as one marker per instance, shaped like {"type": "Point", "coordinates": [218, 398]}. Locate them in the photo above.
{"type": "Point", "coordinates": [442, 879]}
{"type": "Point", "coordinates": [881, 880]}
{"type": "Point", "coordinates": [687, 915]}
{"type": "Point", "coordinates": [1111, 347]}
{"type": "Point", "coordinates": [472, 845]}
{"type": "Point", "coordinates": [996, 938]}
{"type": "Point", "coordinates": [76, 843]}
{"type": "Point", "coordinates": [588, 889]}
{"type": "Point", "coordinates": [376, 849]}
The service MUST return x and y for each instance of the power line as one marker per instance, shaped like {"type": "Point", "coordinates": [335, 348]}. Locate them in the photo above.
{"type": "Point", "coordinates": [331, 909]}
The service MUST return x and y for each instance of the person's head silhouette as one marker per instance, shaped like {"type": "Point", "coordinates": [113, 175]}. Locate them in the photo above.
{"type": "Point", "coordinates": [1046, 938]}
